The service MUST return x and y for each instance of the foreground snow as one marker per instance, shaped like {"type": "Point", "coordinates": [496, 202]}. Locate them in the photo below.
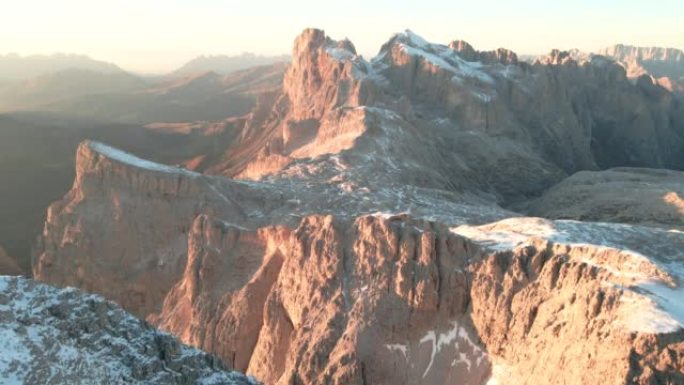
{"type": "Point", "coordinates": [53, 336]}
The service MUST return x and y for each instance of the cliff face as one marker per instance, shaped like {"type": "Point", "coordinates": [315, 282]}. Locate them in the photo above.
{"type": "Point", "coordinates": [322, 76]}
{"type": "Point", "coordinates": [365, 243]}
{"type": "Point", "coordinates": [612, 286]}
{"type": "Point", "coordinates": [331, 301]}
{"type": "Point", "coordinates": [134, 213]}
{"type": "Point", "coordinates": [399, 300]}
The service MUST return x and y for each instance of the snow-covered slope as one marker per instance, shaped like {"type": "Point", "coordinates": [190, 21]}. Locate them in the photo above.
{"type": "Point", "coordinates": [62, 336]}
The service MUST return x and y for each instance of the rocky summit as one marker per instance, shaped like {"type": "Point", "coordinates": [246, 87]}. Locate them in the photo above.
{"type": "Point", "coordinates": [369, 223]}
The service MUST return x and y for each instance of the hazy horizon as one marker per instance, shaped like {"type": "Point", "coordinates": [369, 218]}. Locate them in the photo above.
{"type": "Point", "coordinates": [159, 36]}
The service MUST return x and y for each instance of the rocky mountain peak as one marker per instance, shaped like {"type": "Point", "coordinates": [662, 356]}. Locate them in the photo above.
{"type": "Point", "coordinates": [556, 57]}
{"type": "Point", "coordinates": [324, 74]}
{"type": "Point", "coordinates": [464, 49]}
{"type": "Point", "coordinates": [468, 53]}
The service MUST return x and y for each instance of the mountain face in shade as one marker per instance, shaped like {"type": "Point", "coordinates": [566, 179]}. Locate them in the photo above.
{"type": "Point", "coordinates": [65, 336]}
{"type": "Point", "coordinates": [354, 229]}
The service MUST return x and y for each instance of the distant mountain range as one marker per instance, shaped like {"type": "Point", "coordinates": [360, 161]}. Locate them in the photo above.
{"type": "Point", "coordinates": [64, 84]}
{"type": "Point", "coordinates": [665, 65]}
{"type": "Point", "coordinates": [224, 64]}
{"type": "Point", "coordinates": [206, 88]}
{"type": "Point", "coordinates": [123, 97]}
{"type": "Point", "coordinates": [15, 67]}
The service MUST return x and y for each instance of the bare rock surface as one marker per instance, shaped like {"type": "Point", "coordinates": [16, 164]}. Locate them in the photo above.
{"type": "Point", "coordinates": [63, 336]}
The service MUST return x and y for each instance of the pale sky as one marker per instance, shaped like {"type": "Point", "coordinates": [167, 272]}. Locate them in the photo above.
{"type": "Point", "coordinates": [160, 35]}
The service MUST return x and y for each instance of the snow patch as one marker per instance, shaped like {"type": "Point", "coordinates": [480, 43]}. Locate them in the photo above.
{"type": "Point", "coordinates": [132, 160]}
{"type": "Point", "coordinates": [51, 335]}
{"type": "Point", "coordinates": [403, 349]}
{"type": "Point", "coordinates": [498, 376]}
{"type": "Point", "coordinates": [339, 54]}
{"type": "Point", "coordinates": [441, 56]}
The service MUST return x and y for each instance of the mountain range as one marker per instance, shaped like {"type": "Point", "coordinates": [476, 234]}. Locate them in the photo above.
{"type": "Point", "coordinates": [432, 215]}
{"type": "Point", "coordinates": [225, 64]}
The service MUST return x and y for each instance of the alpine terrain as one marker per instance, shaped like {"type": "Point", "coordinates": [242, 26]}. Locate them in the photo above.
{"type": "Point", "coordinates": [432, 215]}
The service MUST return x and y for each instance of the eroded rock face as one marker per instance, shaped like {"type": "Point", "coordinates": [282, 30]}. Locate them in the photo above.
{"type": "Point", "coordinates": [307, 119]}
{"type": "Point", "coordinates": [321, 76]}
{"type": "Point", "coordinates": [64, 336]}
{"type": "Point", "coordinates": [333, 301]}
{"type": "Point", "coordinates": [398, 300]}
{"type": "Point", "coordinates": [117, 215]}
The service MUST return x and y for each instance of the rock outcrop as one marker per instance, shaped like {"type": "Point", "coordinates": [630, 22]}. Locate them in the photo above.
{"type": "Point", "coordinates": [332, 301]}
{"type": "Point", "coordinates": [53, 336]}
{"type": "Point", "coordinates": [468, 53]}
